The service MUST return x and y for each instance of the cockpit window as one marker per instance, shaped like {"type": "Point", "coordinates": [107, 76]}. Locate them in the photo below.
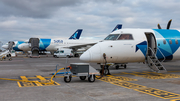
{"type": "Point", "coordinates": [125, 37]}
{"type": "Point", "coordinates": [112, 37]}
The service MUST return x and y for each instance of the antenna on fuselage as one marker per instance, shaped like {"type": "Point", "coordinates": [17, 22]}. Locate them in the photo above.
{"type": "Point", "coordinates": [168, 25]}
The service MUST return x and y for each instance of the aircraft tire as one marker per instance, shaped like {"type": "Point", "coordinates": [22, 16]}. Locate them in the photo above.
{"type": "Point", "coordinates": [117, 66]}
{"type": "Point", "coordinates": [125, 66]}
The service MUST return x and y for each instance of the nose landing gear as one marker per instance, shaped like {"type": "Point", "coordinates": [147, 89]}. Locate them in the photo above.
{"type": "Point", "coordinates": [104, 68]}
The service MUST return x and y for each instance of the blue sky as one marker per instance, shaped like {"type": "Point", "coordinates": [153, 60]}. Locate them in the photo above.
{"type": "Point", "coordinates": [23, 19]}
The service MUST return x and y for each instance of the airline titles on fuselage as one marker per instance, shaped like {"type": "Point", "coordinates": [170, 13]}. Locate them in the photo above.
{"type": "Point", "coordinates": [58, 41]}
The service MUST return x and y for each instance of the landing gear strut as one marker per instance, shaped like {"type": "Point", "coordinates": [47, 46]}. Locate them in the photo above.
{"type": "Point", "coordinates": [104, 68]}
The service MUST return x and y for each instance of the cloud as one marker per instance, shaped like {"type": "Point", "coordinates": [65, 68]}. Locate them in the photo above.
{"type": "Point", "coordinates": [33, 8]}
{"type": "Point", "coordinates": [22, 19]}
{"type": "Point", "coordinates": [8, 24]}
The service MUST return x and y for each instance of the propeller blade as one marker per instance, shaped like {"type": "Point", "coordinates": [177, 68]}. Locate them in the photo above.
{"type": "Point", "coordinates": [159, 27]}
{"type": "Point", "coordinates": [169, 23]}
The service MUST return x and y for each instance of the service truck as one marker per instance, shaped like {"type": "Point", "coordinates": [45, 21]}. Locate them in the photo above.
{"type": "Point", "coordinates": [63, 52]}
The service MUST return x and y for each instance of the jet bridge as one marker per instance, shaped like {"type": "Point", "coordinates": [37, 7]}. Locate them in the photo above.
{"type": "Point", "coordinates": [34, 43]}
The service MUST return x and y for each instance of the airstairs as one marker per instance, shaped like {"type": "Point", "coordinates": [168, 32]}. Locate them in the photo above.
{"type": "Point", "coordinates": [34, 43]}
{"type": "Point", "coordinates": [6, 55]}
{"type": "Point", "coordinates": [153, 63]}
{"type": "Point", "coordinates": [10, 45]}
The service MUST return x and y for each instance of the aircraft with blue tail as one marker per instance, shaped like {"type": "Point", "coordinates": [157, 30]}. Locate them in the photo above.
{"type": "Point", "coordinates": [44, 43]}
{"type": "Point", "coordinates": [55, 44]}
{"type": "Point", "coordinates": [150, 46]}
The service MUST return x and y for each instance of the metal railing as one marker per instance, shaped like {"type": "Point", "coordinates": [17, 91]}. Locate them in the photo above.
{"type": "Point", "coordinates": [162, 55]}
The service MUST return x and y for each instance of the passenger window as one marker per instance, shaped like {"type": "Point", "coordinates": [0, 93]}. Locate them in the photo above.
{"type": "Point", "coordinates": [125, 37]}
{"type": "Point", "coordinates": [170, 41]}
{"type": "Point", "coordinates": [176, 41]}
{"type": "Point", "coordinates": [164, 41]}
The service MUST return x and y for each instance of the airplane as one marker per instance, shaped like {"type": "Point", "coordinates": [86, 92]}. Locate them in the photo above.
{"type": "Point", "coordinates": [55, 44]}
{"type": "Point", "coordinates": [15, 46]}
{"type": "Point", "coordinates": [150, 46]}
{"type": "Point", "coordinates": [76, 35]}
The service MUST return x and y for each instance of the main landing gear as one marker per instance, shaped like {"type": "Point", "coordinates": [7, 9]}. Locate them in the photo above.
{"type": "Point", "coordinates": [122, 65]}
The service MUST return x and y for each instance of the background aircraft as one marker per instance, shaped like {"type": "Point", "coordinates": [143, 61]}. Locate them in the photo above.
{"type": "Point", "coordinates": [76, 35]}
{"type": "Point", "coordinates": [55, 44]}
{"type": "Point", "coordinates": [137, 45]}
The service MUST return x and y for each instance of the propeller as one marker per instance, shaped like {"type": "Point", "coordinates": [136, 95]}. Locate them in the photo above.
{"type": "Point", "coordinates": [168, 25]}
{"type": "Point", "coordinates": [159, 27]}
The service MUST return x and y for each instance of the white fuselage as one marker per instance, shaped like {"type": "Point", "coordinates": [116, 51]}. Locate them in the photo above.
{"type": "Point", "coordinates": [135, 49]}
{"type": "Point", "coordinates": [55, 44]}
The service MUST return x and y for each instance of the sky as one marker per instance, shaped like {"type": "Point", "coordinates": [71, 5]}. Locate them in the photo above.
{"type": "Point", "coordinates": [23, 19]}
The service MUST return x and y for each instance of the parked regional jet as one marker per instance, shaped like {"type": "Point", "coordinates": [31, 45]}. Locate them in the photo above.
{"type": "Point", "coordinates": [123, 46]}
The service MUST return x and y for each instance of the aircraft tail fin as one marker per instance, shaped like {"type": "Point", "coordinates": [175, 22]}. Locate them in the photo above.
{"type": "Point", "coordinates": [77, 34]}
{"type": "Point", "coordinates": [119, 26]}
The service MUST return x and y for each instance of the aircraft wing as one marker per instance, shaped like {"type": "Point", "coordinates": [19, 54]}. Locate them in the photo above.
{"type": "Point", "coordinates": [82, 46]}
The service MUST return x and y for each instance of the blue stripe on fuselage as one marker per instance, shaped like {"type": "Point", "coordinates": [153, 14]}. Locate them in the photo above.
{"type": "Point", "coordinates": [167, 49]}
{"type": "Point", "coordinates": [17, 44]}
{"type": "Point", "coordinates": [44, 43]}
{"type": "Point", "coordinates": [142, 46]}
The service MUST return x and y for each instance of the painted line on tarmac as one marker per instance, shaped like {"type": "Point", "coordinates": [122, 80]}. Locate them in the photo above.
{"type": "Point", "coordinates": [116, 78]}
{"type": "Point", "coordinates": [175, 100]}
{"type": "Point", "coordinates": [37, 78]}
{"type": "Point", "coordinates": [151, 75]}
{"type": "Point", "coordinates": [128, 85]}
{"type": "Point", "coordinates": [122, 81]}
{"type": "Point", "coordinates": [158, 93]}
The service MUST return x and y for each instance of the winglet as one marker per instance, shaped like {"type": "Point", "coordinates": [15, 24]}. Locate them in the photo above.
{"type": "Point", "coordinates": [76, 34]}
{"type": "Point", "coordinates": [119, 26]}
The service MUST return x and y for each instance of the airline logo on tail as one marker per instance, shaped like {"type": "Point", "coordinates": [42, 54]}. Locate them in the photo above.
{"type": "Point", "coordinates": [77, 34]}
{"type": "Point", "coordinates": [119, 26]}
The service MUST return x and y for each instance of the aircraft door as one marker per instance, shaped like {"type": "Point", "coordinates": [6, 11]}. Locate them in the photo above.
{"type": "Point", "coordinates": [151, 44]}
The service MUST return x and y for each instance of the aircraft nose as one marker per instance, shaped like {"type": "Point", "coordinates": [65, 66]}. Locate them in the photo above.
{"type": "Point", "coordinates": [5, 46]}
{"type": "Point", "coordinates": [85, 56]}
{"type": "Point", "coordinates": [20, 47]}
{"type": "Point", "coordinates": [93, 54]}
